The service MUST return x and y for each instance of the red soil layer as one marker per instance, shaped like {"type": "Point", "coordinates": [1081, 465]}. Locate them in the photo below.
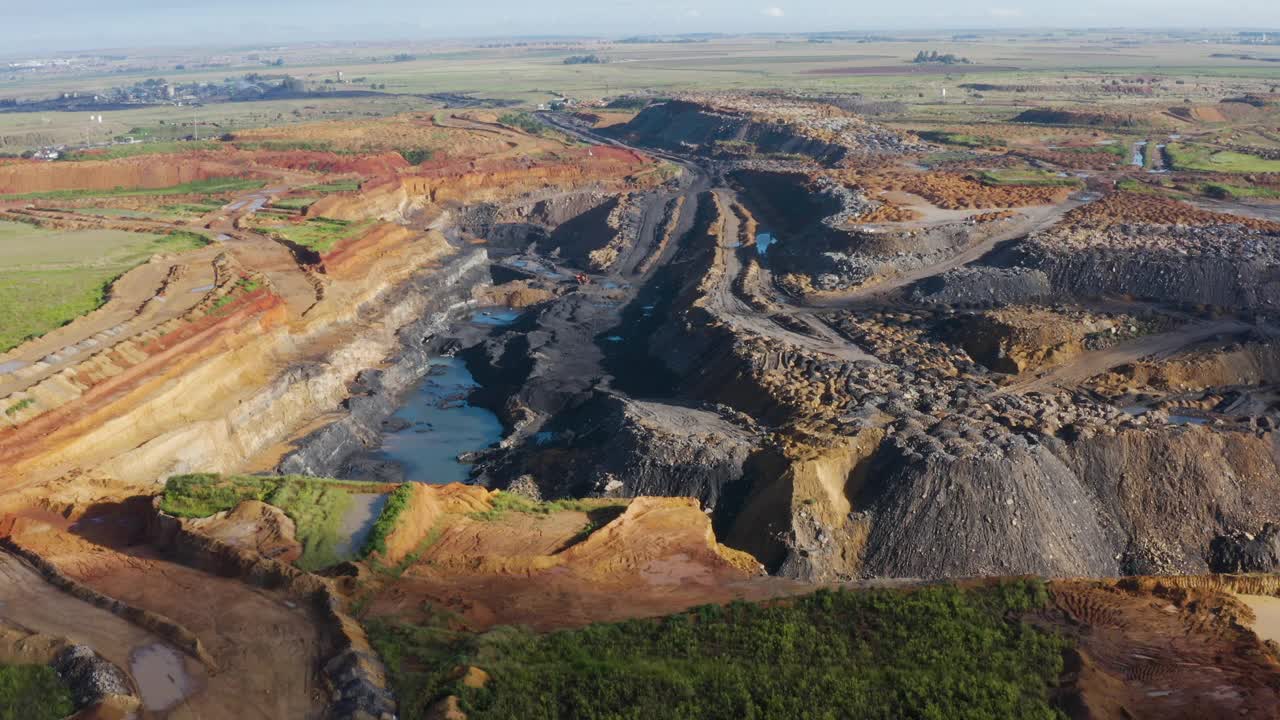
{"type": "Point", "coordinates": [157, 171]}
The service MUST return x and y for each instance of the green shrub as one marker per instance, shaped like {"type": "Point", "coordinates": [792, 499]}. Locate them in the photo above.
{"type": "Point", "coordinates": [316, 509]}
{"type": "Point", "coordinates": [417, 156]}
{"type": "Point", "coordinates": [523, 121]}
{"type": "Point", "coordinates": [33, 692]}
{"type": "Point", "coordinates": [397, 502]}
{"type": "Point", "coordinates": [203, 494]}
{"type": "Point", "coordinates": [934, 652]}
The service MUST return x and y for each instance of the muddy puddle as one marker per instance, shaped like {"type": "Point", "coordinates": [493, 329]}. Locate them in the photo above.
{"type": "Point", "coordinates": [440, 426]}
{"type": "Point", "coordinates": [1267, 611]}
{"type": "Point", "coordinates": [161, 677]}
{"type": "Point", "coordinates": [358, 522]}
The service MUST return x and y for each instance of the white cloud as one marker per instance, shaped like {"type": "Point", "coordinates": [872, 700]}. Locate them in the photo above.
{"type": "Point", "coordinates": [774, 11]}
{"type": "Point", "coordinates": [1005, 12]}
{"type": "Point", "coordinates": [693, 12]}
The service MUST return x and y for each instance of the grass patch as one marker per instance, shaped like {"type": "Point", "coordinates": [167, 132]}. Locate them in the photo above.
{"type": "Point", "coordinates": [243, 287]}
{"type": "Point", "coordinates": [289, 146]}
{"type": "Point", "coordinates": [316, 509]}
{"type": "Point", "coordinates": [335, 186]}
{"type": "Point", "coordinates": [211, 186]}
{"type": "Point", "coordinates": [397, 502]}
{"type": "Point", "coordinates": [33, 692]}
{"type": "Point", "coordinates": [417, 156]}
{"type": "Point", "coordinates": [50, 277]}
{"type": "Point", "coordinates": [316, 506]}
{"type": "Point", "coordinates": [319, 234]}
{"type": "Point", "coordinates": [504, 502]}
{"type": "Point", "coordinates": [296, 203]}
{"type": "Point", "coordinates": [19, 406]}
{"type": "Point", "coordinates": [1114, 148]}
{"type": "Point", "coordinates": [961, 139]}
{"type": "Point", "coordinates": [524, 121]}
{"type": "Point", "coordinates": [1225, 191]}
{"type": "Point", "coordinates": [1025, 177]}
{"type": "Point", "coordinates": [1185, 156]}
{"type": "Point", "coordinates": [116, 152]}
{"type": "Point", "coordinates": [202, 494]}
{"type": "Point", "coordinates": [936, 652]}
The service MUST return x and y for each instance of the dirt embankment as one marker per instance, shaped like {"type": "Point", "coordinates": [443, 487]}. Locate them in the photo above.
{"type": "Point", "coordinates": [156, 171]}
{"type": "Point", "coordinates": [567, 568]}
{"type": "Point", "coordinates": [491, 181]}
{"type": "Point", "coordinates": [215, 398]}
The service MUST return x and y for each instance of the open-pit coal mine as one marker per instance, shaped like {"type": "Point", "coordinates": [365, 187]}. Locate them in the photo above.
{"type": "Point", "coordinates": [357, 433]}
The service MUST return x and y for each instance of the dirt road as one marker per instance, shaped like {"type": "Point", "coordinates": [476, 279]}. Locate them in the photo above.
{"type": "Point", "coordinates": [1100, 361]}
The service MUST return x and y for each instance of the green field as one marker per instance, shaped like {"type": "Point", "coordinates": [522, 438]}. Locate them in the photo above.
{"type": "Point", "coordinates": [33, 692]}
{"type": "Point", "coordinates": [316, 506]}
{"type": "Point", "coordinates": [115, 152]}
{"type": "Point", "coordinates": [937, 652]}
{"type": "Point", "coordinates": [49, 277]}
{"type": "Point", "coordinates": [212, 186]}
{"type": "Point", "coordinates": [877, 67]}
{"type": "Point", "coordinates": [1199, 157]}
{"type": "Point", "coordinates": [319, 234]}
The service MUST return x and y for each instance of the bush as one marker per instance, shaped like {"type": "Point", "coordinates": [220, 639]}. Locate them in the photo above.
{"type": "Point", "coordinates": [523, 121]}
{"type": "Point", "coordinates": [397, 503]}
{"type": "Point", "coordinates": [935, 652]}
{"type": "Point", "coordinates": [202, 494]}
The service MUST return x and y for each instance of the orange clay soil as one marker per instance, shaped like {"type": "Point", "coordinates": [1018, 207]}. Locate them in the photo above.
{"type": "Point", "coordinates": [267, 651]}
{"type": "Point", "coordinates": [955, 191]}
{"type": "Point", "coordinates": [545, 571]}
{"type": "Point", "coordinates": [1146, 648]}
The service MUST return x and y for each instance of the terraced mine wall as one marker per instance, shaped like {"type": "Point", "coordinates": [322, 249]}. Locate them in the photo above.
{"type": "Point", "coordinates": [380, 389]}
{"type": "Point", "coordinates": [677, 124]}
{"type": "Point", "coordinates": [1085, 500]}
{"type": "Point", "coordinates": [255, 383]}
{"type": "Point", "coordinates": [1237, 283]}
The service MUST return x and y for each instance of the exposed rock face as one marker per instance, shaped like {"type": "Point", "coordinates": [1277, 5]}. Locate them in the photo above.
{"type": "Point", "coordinates": [615, 447]}
{"type": "Point", "coordinates": [984, 287]}
{"type": "Point", "coordinates": [1243, 553]}
{"type": "Point", "coordinates": [1229, 266]}
{"type": "Point", "coordinates": [778, 124]}
{"type": "Point", "coordinates": [324, 452]}
{"type": "Point", "coordinates": [91, 678]}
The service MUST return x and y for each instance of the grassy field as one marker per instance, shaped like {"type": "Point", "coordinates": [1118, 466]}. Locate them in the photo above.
{"type": "Point", "coordinates": [316, 506]}
{"type": "Point", "coordinates": [1025, 177]}
{"type": "Point", "coordinates": [49, 277]}
{"type": "Point", "coordinates": [212, 186]}
{"type": "Point", "coordinates": [115, 152]}
{"type": "Point", "coordinates": [937, 652]}
{"type": "Point", "coordinates": [316, 510]}
{"type": "Point", "coordinates": [319, 234]}
{"type": "Point", "coordinates": [335, 186]}
{"type": "Point", "coordinates": [1186, 156]}
{"type": "Point", "coordinates": [33, 692]}
{"type": "Point", "coordinates": [879, 68]}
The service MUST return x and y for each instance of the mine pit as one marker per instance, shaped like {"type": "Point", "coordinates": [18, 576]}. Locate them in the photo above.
{"type": "Point", "coordinates": [439, 425]}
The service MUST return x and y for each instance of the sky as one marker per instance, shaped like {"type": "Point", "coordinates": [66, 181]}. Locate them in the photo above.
{"type": "Point", "coordinates": [59, 25]}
